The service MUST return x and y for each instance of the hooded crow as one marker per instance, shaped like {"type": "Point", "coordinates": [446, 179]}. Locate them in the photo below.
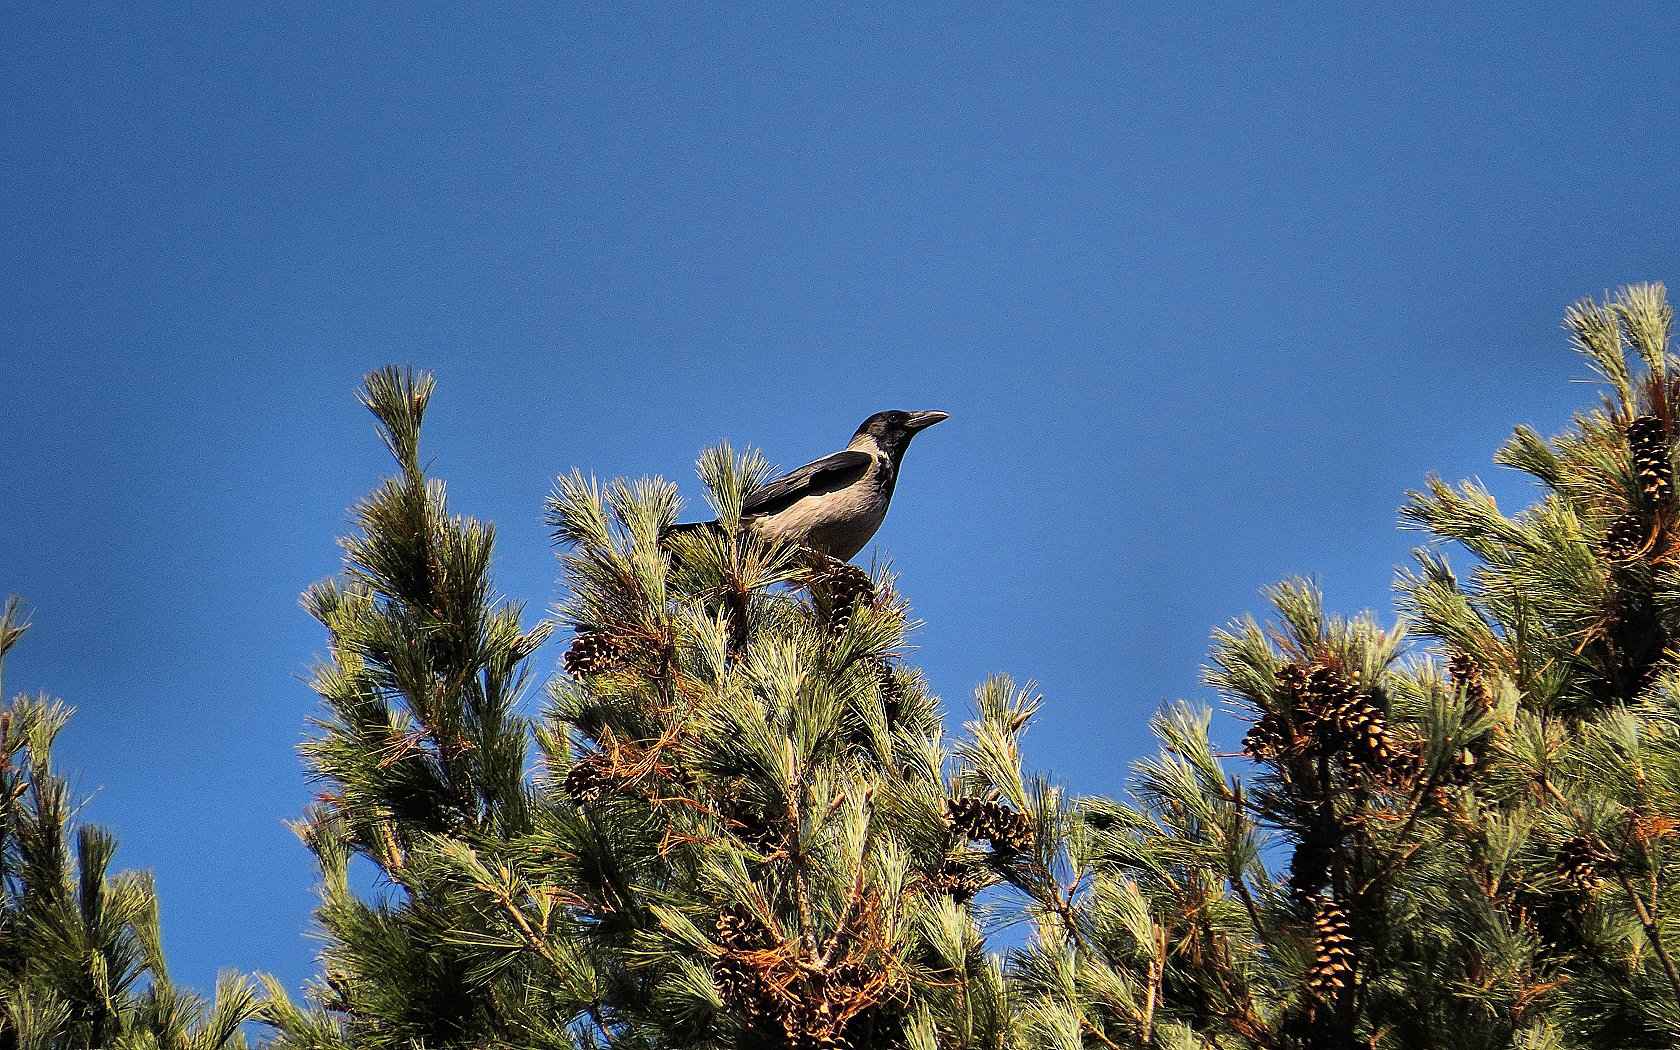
{"type": "Point", "coordinates": [834, 505]}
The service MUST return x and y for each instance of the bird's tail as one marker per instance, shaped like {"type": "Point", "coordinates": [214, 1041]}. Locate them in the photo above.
{"type": "Point", "coordinates": [686, 528]}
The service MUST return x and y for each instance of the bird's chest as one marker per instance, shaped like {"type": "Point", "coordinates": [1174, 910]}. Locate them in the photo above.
{"type": "Point", "coordinates": [838, 523]}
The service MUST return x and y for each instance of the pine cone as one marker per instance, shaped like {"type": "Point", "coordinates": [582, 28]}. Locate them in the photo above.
{"type": "Point", "coordinates": [749, 823]}
{"type": "Point", "coordinates": [1466, 675]}
{"type": "Point", "coordinates": [891, 690]}
{"type": "Point", "coordinates": [1014, 836]}
{"type": "Point", "coordinates": [739, 932]}
{"type": "Point", "coordinates": [1282, 732]}
{"type": "Point", "coordinates": [1630, 598]}
{"type": "Point", "coordinates": [1456, 774]}
{"type": "Point", "coordinates": [959, 880]}
{"type": "Point", "coordinates": [1332, 967]}
{"type": "Point", "coordinates": [1323, 692]}
{"type": "Point", "coordinates": [586, 783]}
{"type": "Point", "coordinates": [845, 587]}
{"type": "Point", "coordinates": [738, 928]}
{"type": "Point", "coordinates": [1343, 721]}
{"type": "Point", "coordinates": [1008, 830]}
{"type": "Point", "coordinates": [1652, 467]}
{"type": "Point", "coordinates": [1309, 866]}
{"type": "Point", "coordinates": [1366, 753]}
{"type": "Point", "coordinates": [1577, 862]}
{"type": "Point", "coordinates": [1265, 740]}
{"type": "Point", "coordinates": [592, 652]}
{"type": "Point", "coordinates": [809, 1025]}
{"type": "Point", "coordinates": [738, 985]}
{"type": "Point", "coordinates": [1626, 537]}
{"type": "Point", "coordinates": [1292, 680]}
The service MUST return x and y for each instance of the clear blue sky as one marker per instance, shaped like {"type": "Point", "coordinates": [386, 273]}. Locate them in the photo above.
{"type": "Point", "coordinates": [1203, 290]}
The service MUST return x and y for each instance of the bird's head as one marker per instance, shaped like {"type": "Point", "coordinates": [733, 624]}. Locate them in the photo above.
{"type": "Point", "coordinates": [890, 432]}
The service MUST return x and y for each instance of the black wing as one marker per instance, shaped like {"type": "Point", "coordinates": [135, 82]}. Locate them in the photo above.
{"type": "Point", "coordinates": [825, 475]}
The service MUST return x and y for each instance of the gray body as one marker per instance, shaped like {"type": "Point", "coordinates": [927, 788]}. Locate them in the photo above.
{"type": "Point", "coordinates": [834, 505]}
{"type": "Point", "coordinates": [841, 521]}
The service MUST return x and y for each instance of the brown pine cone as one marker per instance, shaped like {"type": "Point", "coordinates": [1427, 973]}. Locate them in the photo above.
{"type": "Point", "coordinates": [1578, 862]}
{"type": "Point", "coordinates": [959, 880]}
{"type": "Point", "coordinates": [1365, 741]}
{"type": "Point", "coordinates": [1626, 537]}
{"type": "Point", "coordinates": [844, 589]}
{"type": "Point", "coordinates": [1309, 866]}
{"type": "Point", "coordinates": [1332, 967]}
{"type": "Point", "coordinates": [1343, 721]}
{"type": "Point", "coordinates": [1278, 732]}
{"type": "Point", "coordinates": [738, 928]}
{"type": "Point", "coordinates": [1008, 830]}
{"type": "Point", "coordinates": [592, 652]}
{"type": "Point", "coordinates": [739, 986]}
{"type": "Point", "coordinates": [1653, 468]}
{"type": "Point", "coordinates": [1265, 739]}
{"type": "Point", "coordinates": [586, 783]}
{"type": "Point", "coordinates": [751, 824]}
{"type": "Point", "coordinates": [1467, 675]}
{"type": "Point", "coordinates": [890, 689]}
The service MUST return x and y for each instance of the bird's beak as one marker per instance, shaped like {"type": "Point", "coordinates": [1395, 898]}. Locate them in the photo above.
{"type": "Point", "coordinates": [923, 420]}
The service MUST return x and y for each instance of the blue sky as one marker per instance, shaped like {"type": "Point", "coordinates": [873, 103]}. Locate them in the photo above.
{"type": "Point", "coordinates": [1204, 291]}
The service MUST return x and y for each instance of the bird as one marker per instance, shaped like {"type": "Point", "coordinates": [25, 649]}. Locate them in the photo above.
{"type": "Point", "coordinates": [833, 506]}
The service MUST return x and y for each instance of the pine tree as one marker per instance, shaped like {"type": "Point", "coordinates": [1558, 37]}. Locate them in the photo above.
{"type": "Point", "coordinates": [1574, 603]}
{"type": "Point", "coordinates": [421, 752]}
{"type": "Point", "coordinates": [1447, 842]}
{"type": "Point", "coordinates": [81, 957]}
{"type": "Point", "coordinates": [738, 831]}
{"type": "Point", "coordinates": [748, 797]}
{"type": "Point", "coordinates": [1468, 848]}
{"type": "Point", "coordinates": [1165, 919]}
{"type": "Point", "coordinates": [742, 825]}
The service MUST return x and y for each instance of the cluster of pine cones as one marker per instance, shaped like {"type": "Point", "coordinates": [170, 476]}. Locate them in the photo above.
{"type": "Point", "coordinates": [1327, 713]}
{"type": "Point", "coordinates": [1466, 675]}
{"type": "Point", "coordinates": [1653, 471]}
{"type": "Point", "coordinates": [1006, 828]}
{"type": "Point", "coordinates": [792, 1019]}
{"type": "Point", "coordinates": [739, 932]}
{"type": "Point", "coordinates": [1332, 965]}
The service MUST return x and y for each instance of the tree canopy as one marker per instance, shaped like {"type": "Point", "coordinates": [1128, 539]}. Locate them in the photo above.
{"type": "Point", "coordinates": [737, 818]}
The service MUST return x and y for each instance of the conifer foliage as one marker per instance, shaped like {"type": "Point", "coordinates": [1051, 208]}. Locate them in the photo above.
{"type": "Point", "coordinates": [1574, 605]}
{"type": "Point", "coordinates": [421, 754]}
{"type": "Point", "coordinates": [734, 818]}
{"type": "Point", "coordinates": [744, 826]}
{"type": "Point", "coordinates": [81, 955]}
{"type": "Point", "coordinates": [1456, 834]}
{"type": "Point", "coordinates": [751, 799]}
{"type": "Point", "coordinates": [735, 832]}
